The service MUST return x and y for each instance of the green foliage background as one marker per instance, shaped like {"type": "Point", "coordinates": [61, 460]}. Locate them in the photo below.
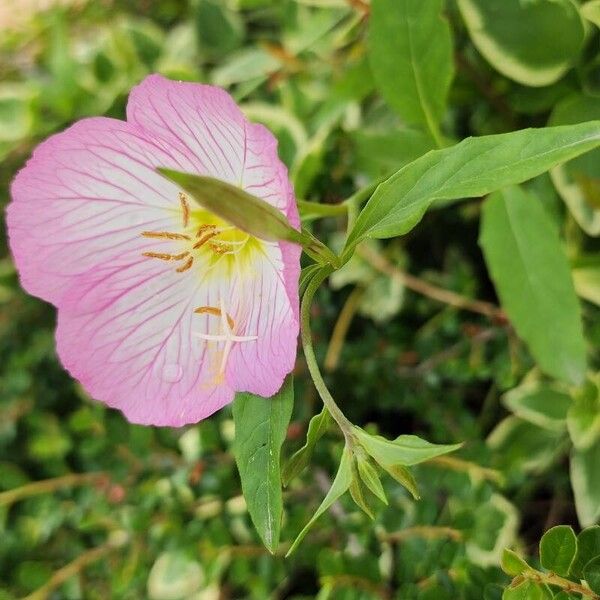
{"type": "Point", "coordinates": [158, 513]}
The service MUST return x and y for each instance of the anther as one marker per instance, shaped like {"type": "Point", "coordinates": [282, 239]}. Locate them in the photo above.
{"type": "Point", "coordinates": [213, 310]}
{"type": "Point", "coordinates": [166, 235]}
{"type": "Point", "coordinates": [205, 239]}
{"type": "Point", "coordinates": [186, 265]}
{"type": "Point", "coordinates": [163, 256]}
{"type": "Point", "coordinates": [185, 207]}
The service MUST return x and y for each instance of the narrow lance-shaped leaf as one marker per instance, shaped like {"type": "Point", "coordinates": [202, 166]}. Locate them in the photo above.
{"type": "Point", "coordinates": [340, 486]}
{"type": "Point", "coordinates": [532, 277]}
{"type": "Point", "coordinates": [410, 51]}
{"type": "Point", "coordinates": [404, 450]}
{"type": "Point", "coordinates": [260, 429]}
{"type": "Point", "coordinates": [475, 167]}
{"type": "Point", "coordinates": [299, 460]}
{"type": "Point", "coordinates": [246, 211]}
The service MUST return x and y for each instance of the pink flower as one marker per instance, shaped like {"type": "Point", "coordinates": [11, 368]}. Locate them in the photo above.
{"type": "Point", "coordinates": [164, 310]}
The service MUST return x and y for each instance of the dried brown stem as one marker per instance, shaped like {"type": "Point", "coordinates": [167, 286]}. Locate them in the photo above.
{"type": "Point", "coordinates": [379, 262]}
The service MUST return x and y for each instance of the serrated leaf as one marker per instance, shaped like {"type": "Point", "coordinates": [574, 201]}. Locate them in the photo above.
{"type": "Point", "coordinates": [544, 405]}
{"type": "Point", "coordinates": [501, 30]}
{"type": "Point", "coordinates": [340, 486]}
{"type": "Point", "coordinates": [410, 51]}
{"type": "Point", "coordinates": [583, 419]}
{"type": "Point", "coordinates": [557, 549]}
{"type": "Point", "coordinates": [405, 450]}
{"type": "Point", "coordinates": [512, 564]}
{"type": "Point", "coordinates": [588, 547]}
{"type": "Point", "coordinates": [475, 167]}
{"type": "Point", "coordinates": [591, 573]}
{"type": "Point", "coordinates": [586, 484]}
{"type": "Point", "coordinates": [369, 476]}
{"type": "Point", "coordinates": [299, 460]}
{"type": "Point", "coordinates": [260, 430]}
{"type": "Point", "coordinates": [532, 277]}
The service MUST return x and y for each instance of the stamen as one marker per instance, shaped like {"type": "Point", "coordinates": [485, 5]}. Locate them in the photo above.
{"type": "Point", "coordinates": [186, 265]}
{"type": "Point", "coordinates": [203, 228]}
{"type": "Point", "coordinates": [164, 256]}
{"type": "Point", "coordinates": [213, 310]}
{"type": "Point", "coordinates": [205, 239]}
{"type": "Point", "coordinates": [185, 207]}
{"type": "Point", "coordinates": [165, 234]}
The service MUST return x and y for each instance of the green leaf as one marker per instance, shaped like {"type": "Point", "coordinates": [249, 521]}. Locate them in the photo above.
{"type": "Point", "coordinates": [361, 494]}
{"type": "Point", "coordinates": [542, 404]}
{"type": "Point", "coordinates": [174, 575]}
{"type": "Point", "coordinates": [557, 549]}
{"type": "Point", "coordinates": [340, 486]}
{"type": "Point", "coordinates": [512, 564]}
{"type": "Point", "coordinates": [299, 460]}
{"type": "Point", "coordinates": [502, 29]}
{"type": "Point", "coordinates": [527, 590]}
{"type": "Point", "coordinates": [583, 419]}
{"type": "Point", "coordinates": [495, 526]}
{"type": "Point", "coordinates": [532, 277]}
{"type": "Point", "coordinates": [475, 167]}
{"type": "Point", "coordinates": [410, 51]}
{"type": "Point", "coordinates": [404, 477]}
{"type": "Point", "coordinates": [578, 181]}
{"type": "Point", "coordinates": [587, 281]}
{"type": "Point", "coordinates": [591, 12]}
{"type": "Point", "coordinates": [369, 476]}
{"type": "Point", "coordinates": [591, 574]}
{"type": "Point", "coordinates": [404, 450]}
{"type": "Point", "coordinates": [586, 484]}
{"type": "Point", "coordinates": [236, 206]}
{"type": "Point", "coordinates": [260, 429]}
{"type": "Point", "coordinates": [588, 547]}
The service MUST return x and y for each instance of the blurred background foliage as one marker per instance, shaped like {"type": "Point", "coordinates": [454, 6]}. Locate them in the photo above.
{"type": "Point", "coordinates": [100, 508]}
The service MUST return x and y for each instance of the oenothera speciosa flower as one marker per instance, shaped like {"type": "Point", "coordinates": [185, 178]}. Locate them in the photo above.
{"type": "Point", "coordinates": [165, 311]}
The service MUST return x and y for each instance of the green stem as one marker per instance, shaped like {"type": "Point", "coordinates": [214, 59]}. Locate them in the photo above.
{"type": "Point", "coordinates": [313, 367]}
{"type": "Point", "coordinates": [314, 210]}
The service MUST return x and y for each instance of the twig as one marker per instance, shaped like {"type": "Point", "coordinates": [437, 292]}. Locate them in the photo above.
{"type": "Point", "coordinates": [379, 262]}
{"type": "Point", "coordinates": [341, 328]}
{"type": "Point", "coordinates": [556, 580]}
{"type": "Point", "coordinates": [465, 466]}
{"type": "Point", "coordinates": [50, 485]}
{"type": "Point", "coordinates": [427, 532]}
{"type": "Point", "coordinates": [73, 568]}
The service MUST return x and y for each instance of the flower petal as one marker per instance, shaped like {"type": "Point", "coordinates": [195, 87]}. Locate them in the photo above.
{"type": "Point", "coordinates": [83, 200]}
{"type": "Point", "coordinates": [204, 123]}
{"type": "Point", "coordinates": [267, 302]}
{"type": "Point", "coordinates": [127, 334]}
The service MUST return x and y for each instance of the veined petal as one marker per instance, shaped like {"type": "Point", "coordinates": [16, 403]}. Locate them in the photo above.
{"type": "Point", "coordinates": [127, 334]}
{"type": "Point", "coordinates": [83, 200]}
{"type": "Point", "coordinates": [268, 302]}
{"type": "Point", "coordinates": [204, 123]}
